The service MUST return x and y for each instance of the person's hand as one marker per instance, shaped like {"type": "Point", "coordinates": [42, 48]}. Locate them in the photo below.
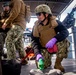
{"type": "Point", "coordinates": [3, 20]}
{"type": "Point", "coordinates": [38, 57]}
{"type": "Point", "coordinates": [4, 26]}
{"type": "Point", "coordinates": [51, 43]}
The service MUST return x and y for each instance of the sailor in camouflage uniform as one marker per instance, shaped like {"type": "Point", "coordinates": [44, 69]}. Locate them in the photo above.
{"type": "Point", "coordinates": [46, 32]}
{"type": "Point", "coordinates": [14, 39]}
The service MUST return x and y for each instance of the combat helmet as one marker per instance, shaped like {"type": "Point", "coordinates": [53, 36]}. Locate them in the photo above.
{"type": "Point", "coordinates": [43, 8]}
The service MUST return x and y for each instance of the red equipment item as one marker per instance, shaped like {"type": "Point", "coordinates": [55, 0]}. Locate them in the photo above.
{"type": "Point", "coordinates": [53, 50]}
{"type": "Point", "coordinates": [29, 54]}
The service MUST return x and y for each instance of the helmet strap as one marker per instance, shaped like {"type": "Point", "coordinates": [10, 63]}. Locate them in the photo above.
{"type": "Point", "coordinates": [44, 20]}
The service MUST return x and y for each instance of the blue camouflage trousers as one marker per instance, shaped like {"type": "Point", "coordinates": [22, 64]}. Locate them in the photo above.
{"type": "Point", "coordinates": [14, 42]}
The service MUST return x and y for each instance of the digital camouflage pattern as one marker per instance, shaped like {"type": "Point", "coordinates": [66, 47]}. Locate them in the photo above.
{"type": "Point", "coordinates": [63, 48]}
{"type": "Point", "coordinates": [47, 56]}
{"type": "Point", "coordinates": [14, 42]}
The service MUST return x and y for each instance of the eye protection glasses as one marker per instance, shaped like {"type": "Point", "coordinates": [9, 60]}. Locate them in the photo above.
{"type": "Point", "coordinates": [38, 14]}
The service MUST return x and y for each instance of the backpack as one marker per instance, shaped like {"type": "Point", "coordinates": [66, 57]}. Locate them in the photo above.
{"type": "Point", "coordinates": [27, 13]}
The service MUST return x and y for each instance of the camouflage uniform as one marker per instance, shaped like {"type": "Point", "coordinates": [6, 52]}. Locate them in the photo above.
{"type": "Point", "coordinates": [14, 42]}
{"type": "Point", "coordinates": [47, 56]}
{"type": "Point", "coordinates": [15, 35]}
{"type": "Point", "coordinates": [63, 48]}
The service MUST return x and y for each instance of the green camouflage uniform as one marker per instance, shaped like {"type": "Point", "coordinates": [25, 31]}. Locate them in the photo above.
{"type": "Point", "coordinates": [14, 42]}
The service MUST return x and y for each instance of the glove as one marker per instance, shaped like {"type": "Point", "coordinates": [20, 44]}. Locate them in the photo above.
{"type": "Point", "coordinates": [38, 57]}
{"type": "Point", "coordinates": [51, 43]}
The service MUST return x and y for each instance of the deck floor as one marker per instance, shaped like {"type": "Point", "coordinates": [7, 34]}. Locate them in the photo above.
{"type": "Point", "coordinates": [69, 65]}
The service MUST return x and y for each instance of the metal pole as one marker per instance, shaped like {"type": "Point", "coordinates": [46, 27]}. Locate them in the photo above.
{"type": "Point", "coordinates": [74, 36]}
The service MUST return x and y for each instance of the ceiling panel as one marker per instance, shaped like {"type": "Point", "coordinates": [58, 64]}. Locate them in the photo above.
{"type": "Point", "coordinates": [57, 6]}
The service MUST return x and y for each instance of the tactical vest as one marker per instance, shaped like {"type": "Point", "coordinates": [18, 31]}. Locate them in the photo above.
{"type": "Point", "coordinates": [45, 33]}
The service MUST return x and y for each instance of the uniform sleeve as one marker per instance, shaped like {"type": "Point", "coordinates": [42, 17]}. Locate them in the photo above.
{"type": "Point", "coordinates": [62, 32]}
{"type": "Point", "coordinates": [35, 43]}
{"type": "Point", "coordinates": [14, 11]}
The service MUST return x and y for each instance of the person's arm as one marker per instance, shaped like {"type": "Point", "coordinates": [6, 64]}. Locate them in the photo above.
{"type": "Point", "coordinates": [14, 11]}
{"type": "Point", "coordinates": [35, 44]}
{"type": "Point", "coordinates": [62, 32]}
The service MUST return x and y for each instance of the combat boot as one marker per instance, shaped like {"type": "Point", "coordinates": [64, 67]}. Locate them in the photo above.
{"type": "Point", "coordinates": [58, 64]}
